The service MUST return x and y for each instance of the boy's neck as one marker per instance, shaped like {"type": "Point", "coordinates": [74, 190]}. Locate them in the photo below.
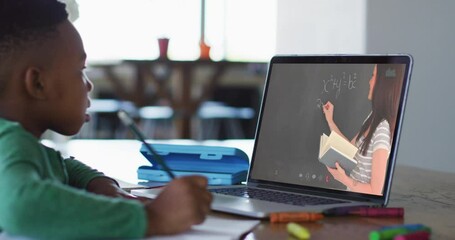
{"type": "Point", "coordinates": [17, 113]}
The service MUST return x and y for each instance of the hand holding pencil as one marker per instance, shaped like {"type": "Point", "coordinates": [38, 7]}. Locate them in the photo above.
{"type": "Point", "coordinates": [184, 202]}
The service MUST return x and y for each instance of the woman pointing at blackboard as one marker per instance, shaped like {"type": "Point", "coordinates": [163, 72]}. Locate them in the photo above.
{"type": "Point", "coordinates": [375, 135]}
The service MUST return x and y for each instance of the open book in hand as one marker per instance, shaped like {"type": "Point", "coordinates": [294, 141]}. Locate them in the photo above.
{"type": "Point", "coordinates": [335, 148]}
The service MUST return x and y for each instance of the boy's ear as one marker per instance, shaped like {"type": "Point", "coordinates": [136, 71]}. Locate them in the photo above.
{"type": "Point", "coordinates": [35, 84]}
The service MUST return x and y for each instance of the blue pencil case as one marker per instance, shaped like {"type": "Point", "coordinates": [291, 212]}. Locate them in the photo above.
{"type": "Point", "coordinates": [154, 175]}
{"type": "Point", "coordinates": [221, 165]}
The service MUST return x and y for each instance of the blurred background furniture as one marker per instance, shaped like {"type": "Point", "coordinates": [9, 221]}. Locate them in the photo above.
{"type": "Point", "coordinates": [183, 86]}
{"type": "Point", "coordinates": [220, 121]}
{"type": "Point", "coordinates": [156, 122]}
{"type": "Point", "coordinates": [104, 122]}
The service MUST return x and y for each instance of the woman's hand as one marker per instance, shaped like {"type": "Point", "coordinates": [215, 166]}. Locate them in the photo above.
{"type": "Point", "coordinates": [327, 109]}
{"type": "Point", "coordinates": [338, 173]}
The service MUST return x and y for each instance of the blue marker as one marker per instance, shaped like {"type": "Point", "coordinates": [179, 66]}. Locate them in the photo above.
{"type": "Point", "coordinates": [410, 227]}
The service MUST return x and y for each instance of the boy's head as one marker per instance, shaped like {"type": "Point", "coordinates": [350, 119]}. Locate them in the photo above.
{"type": "Point", "coordinates": [42, 84]}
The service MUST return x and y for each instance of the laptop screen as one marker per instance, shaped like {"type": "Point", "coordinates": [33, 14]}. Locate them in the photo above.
{"type": "Point", "coordinates": [318, 110]}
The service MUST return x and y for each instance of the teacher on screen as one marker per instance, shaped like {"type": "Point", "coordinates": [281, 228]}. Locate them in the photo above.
{"type": "Point", "coordinates": [375, 135]}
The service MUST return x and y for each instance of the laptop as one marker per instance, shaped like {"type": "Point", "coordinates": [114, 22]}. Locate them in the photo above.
{"type": "Point", "coordinates": [285, 173]}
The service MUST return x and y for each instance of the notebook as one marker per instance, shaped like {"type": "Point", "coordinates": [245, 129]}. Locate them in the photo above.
{"type": "Point", "coordinates": [285, 173]}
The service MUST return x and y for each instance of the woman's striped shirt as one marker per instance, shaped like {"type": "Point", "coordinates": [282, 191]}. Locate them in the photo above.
{"type": "Point", "coordinates": [381, 139]}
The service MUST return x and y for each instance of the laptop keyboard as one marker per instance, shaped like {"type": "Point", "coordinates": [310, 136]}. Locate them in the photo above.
{"type": "Point", "coordinates": [273, 196]}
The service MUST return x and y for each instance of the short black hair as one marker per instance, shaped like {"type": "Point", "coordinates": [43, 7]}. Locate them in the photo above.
{"type": "Point", "coordinates": [27, 21]}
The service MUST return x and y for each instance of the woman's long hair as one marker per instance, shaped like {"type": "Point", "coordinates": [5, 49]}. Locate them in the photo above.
{"type": "Point", "coordinates": [384, 102]}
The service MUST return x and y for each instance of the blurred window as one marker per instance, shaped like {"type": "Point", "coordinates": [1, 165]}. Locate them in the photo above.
{"type": "Point", "coordinates": [128, 29]}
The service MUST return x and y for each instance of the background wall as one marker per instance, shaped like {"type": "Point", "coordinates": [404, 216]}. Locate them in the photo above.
{"type": "Point", "coordinates": [322, 26]}
{"type": "Point", "coordinates": [417, 27]}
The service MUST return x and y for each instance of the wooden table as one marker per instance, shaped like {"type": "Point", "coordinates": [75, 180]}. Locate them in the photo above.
{"type": "Point", "coordinates": [427, 196]}
{"type": "Point", "coordinates": [177, 95]}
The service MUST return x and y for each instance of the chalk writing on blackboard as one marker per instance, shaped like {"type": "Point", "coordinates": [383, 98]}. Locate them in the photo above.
{"type": "Point", "coordinates": [336, 85]}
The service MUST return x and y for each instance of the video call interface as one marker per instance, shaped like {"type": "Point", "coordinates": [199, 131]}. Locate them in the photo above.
{"type": "Point", "coordinates": [293, 120]}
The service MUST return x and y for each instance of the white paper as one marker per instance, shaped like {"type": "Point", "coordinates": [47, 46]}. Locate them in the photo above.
{"type": "Point", "coordinates": [215, 228]}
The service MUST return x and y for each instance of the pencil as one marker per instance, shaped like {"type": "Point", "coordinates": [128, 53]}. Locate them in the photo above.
{"type": "Point", "coordinates": [130, 123]}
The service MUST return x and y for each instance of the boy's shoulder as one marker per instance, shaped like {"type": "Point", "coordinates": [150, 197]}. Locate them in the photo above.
{"type": "Point", "coordinates": [12, 129]}
{"type": "Point", "coordinates": [15, 140]}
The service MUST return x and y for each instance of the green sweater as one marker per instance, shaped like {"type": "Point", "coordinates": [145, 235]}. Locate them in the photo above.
{"type": "Point", "coordinates": [43, 196]}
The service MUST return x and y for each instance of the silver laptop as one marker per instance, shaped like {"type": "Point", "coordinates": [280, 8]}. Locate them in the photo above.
{"type": "Point", "coordinates": [367, 94]}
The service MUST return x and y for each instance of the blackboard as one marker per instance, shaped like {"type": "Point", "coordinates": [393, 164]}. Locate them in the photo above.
{"type": "Point", "coordinates": [293, 120]}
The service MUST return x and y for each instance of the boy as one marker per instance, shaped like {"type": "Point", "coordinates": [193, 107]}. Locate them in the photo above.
{"type": "Point", "coordinates": [42, 86]}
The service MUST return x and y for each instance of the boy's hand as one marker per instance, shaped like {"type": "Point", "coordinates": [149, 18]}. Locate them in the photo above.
{"type": "Point", "coordinates": [184, 202]}
{"type": "Point", "coordinates": [107, 187]}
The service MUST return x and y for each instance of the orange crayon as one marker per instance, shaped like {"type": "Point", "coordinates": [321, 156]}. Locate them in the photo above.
{"type": "Point", "coordinates": [285, 217]}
